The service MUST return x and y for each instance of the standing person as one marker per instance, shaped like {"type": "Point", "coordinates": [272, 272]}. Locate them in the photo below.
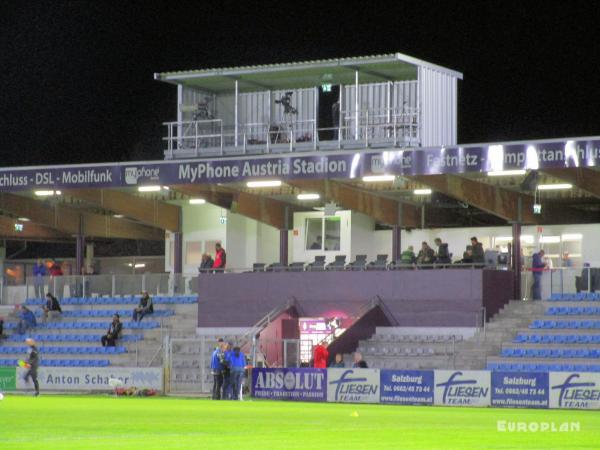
{"type": "Point", "coordinates": [113, 333]}
{"type": "Point", "coordinates": [443, 256]}
{"type": "Point", "coordinates": [52, 306]}
{"type": "Point", "coordinates": [39, 272]}
{"type": "Point", "coordinates": [227, 385]}
{"type": "Point", "coordinates": [33, 361]}
{"type": "Point", "coordinates": [144, 308]}
{"type": "Point", "coordinates": [359, 362]}
{"type": "Point", "coordinates": [426, 254]}
{"type": "Point", "coordinates": [206, 263]}
{"type": "Point", "coordinates": [339, 361]}
{"type": "Point", "coordinates": [320, 356]}
{"type": "Point", "coordinates": [216, 368]}
{"type": "Point", "coordinates": [55, 278]}
{"type": "Point", "coordinates": [537, 268]}
{"type": "Point", "coordinates": [220, 259]}
{"type": "Point", "coordinates": [237, 365]}
{"type": "Point", "coordinates": [477, 251]}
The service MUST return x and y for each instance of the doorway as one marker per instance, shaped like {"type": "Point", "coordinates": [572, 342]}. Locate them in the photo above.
{"type": "Point", "coordinates": [328, 116]}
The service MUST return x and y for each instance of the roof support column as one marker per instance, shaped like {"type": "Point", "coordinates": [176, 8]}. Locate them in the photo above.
{"type": "Point", "coordinates": [79, 248]}
{"type": "Point", "coordinates": [516, 259]}
{"type": "Point", "coordinates": [237, 92]}
{"type": "Point", "coordinates": [283, 238]}
{"type": "Point", "coordinates": [356, 104]}
{"type": "Point", "coordinates": [396, 242]}
{"type": "Point", "coordinates": [177, 252]}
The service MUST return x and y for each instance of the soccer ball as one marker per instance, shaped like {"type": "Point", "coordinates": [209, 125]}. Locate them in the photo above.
{"type": "Point", "coordinates": [1, 396]}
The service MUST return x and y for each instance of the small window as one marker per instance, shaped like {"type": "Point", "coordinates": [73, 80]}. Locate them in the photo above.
{"type": "Point", "coordinates": [314, 234]}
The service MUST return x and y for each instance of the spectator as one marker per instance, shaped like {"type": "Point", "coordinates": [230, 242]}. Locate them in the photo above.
{"type": "Point", "coordinates": [339, 361]}
{"type": "Point", "coordinates": [33, 360]}
{"type": "Point", "coordinates": [467, 255]}
{"type": "Point", "coordinates": [56, 272]}
{"type": "Point", "coordinates": [566, 260]}
{"type": "Point", "coordinates": [26, 320]}
{"type": "Point", "coordinates": [443, 256]}
{"type": "Point", "coordinates": [408, 256]}
{"type": "Point", "coordinates": [52, 307]}
{"type": "Point", "coordinates": [113, 333]}
{"type": "Point", "coordinates": [537, 268]}
{"type": "Point", "coordinates": [144, 308]}
{"type": "Point", "coordinates": [318, 244]}
{"type": "Point", "coordinates": [359, 363]}
{"type": "Point", "coordinates": [477, 251]}
{"type": "Point", "coordinates": [237, 365]}
{"type": "Point", "coordinates": [39, 272]}
{"type": "Point", "coordinates": [320, 356]}
{"type": "Point", "coordinates": [227, 386]}
{"type": "Point", "coordinates": [220, 258]}
{"type": "Point", "coordinates": [216, 368]}
{"type": "Point", "coordinates": [426, 255]}
{"type": "Point", "coordinates": [2, 327]}
{"type": "Point", "coordinates": [206, 263]}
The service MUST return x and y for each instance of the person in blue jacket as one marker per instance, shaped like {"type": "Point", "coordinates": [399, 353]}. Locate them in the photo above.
{"type": "Point", "coordinates": [216, 368]}
{"type": "Point", "coordinates": [26, 320]}
{"type": "Point", "coordinates": [237, 365]}
{"type": "Point", "coordinates": [537, 268]}
{"type": "Point", "coordinates": [227, 386]}
{"type": "Point", "coordinates": [39, 272]}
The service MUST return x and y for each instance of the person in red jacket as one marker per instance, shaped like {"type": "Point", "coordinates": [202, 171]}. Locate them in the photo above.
{"type": "Point", "coordinates": [220, 259]}
{"type": "Point", "coordinates": [320, 356]}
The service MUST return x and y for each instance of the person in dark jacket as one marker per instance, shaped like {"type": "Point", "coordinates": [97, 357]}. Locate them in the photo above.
{"type": "Point", "coordinates": [443, 256]}
{"type": "Point", "coordinates": [359, 362]}
{"type": "Point", "coordinates": [537, 268]}
{"type": "Point", "coordinates": [477, 251]}
{"type": "Point", "coordinates": [32, 363]}
{"type": "Point", "coordinates": [52, 306]}
{"type": "Point", "coordinates": [426, 255]}
{"type": "Point", "coordinates": [220, 259]}
{"type": "Point", "coordinates": [237, 365]}
{"type": "Point", "coordinates": [113, 333]}
{"type": "Point", "coordinates": [216, 368]}
{"type": "Point", "coordinates": [338, 362]}
{"type": "Point", "coordinates": [206, 263]}
{"type": "Point", "coordinates": [144, 308]}
{"type": "Point", "coordinates": [39, 272]}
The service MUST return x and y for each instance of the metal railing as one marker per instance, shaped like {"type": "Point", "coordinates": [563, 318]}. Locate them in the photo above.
{"type": "Point", "coordinates": [561, 280]}
{"type": "Point", "coordinates": [386, 126]}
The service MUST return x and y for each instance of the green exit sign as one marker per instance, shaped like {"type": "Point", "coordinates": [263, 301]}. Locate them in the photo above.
{"type": "Point", "coordinates": [222, 220]}
{"type": "Point", "coordinates": [18, 227]}
{"type": "Point", "coordinates": [326, 87]}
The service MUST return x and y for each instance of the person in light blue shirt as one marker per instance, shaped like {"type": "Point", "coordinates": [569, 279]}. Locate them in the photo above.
{"type": "Point", "coordinates": [216, 368]}
{"type": "Point", "coordinates": [237, 365]}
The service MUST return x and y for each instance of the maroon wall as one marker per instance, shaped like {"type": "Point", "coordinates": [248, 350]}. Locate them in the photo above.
{"type": "Point", "coordinates": [443, 297]}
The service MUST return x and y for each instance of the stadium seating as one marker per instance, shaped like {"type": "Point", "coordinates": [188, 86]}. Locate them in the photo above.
{"type": "Point", "coordinates": [125, 300]}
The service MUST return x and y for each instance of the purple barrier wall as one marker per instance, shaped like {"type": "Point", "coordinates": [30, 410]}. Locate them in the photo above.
{"type": "Point", "coordinates": [444, 297]}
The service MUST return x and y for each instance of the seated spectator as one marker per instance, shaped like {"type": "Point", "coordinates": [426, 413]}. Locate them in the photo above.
{"type": "Point", "coordinates": [477, 251]}
{"type": "Point", "coordinates": [443, 256]}
{"type": "Point", "coordinates": [408, 256]}
{"type": "Point", "coordinates": [426, 255]}
{"type": "Point", "coordinates": [26, 320]}
{"type": "Point", "coordinates": [206, 263]}
{"type": "Point", "coordinates": [467, 255]}
{"type": "Point", "coordinates": [338, 362]}
{"type": "Point", "coordinates": [113, 333]}
{"type": "Point", "coordinates": [144, 308]}
{"type": "Point", "coordinates": [359, 363]}
{"type": "Point", "coordinates": [52, 307]}
{"type": "Point", "coordinates": [2, 328]}
{"type": "Point", "coordinates": [318, 244]}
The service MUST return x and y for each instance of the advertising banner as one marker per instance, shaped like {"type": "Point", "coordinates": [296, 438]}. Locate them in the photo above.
{"type": "Point", "coordinates": [94, 378]}
{"type": "Point", "coordinates": [353, 385]}
{"type": "Point", "coordinates": [575, 390]}
{"type": "Point", "coordinates": [532, 155]}
{"type": "Point", "coordinates": [407, 387]}
{"type": "Point", "coordinates": [462, 388]}
{"type": "Point", "coordinates": [8, 379]}
{"type": "Point", "coordinates": [290, 384]}
{"type": "Point", "coordinates": [520, 389]}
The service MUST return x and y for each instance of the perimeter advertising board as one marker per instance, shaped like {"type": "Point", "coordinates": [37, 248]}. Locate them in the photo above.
{"type": "Point", "coordinates": [575, 390]}
{"type": "Point", "coordinates": [290, 384]}
{"type": "Point", "coordinates": [353, 385]}
{"type": "Point", "coordinates": [520, 389]}
{"type": "Point", "coordinates": [462, 388]}
{"type": "Point", "coordinates": [407, 387]}
{"type": "Point", "coordinates": [94, 378]}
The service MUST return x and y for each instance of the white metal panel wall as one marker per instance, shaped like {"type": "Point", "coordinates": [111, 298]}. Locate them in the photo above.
{"type": "Point", "coordinates": [405, 95]}
{"type": "Point", "coordinates": [190, 98]}
{"type": "Point", "coordinates": [437, 92]}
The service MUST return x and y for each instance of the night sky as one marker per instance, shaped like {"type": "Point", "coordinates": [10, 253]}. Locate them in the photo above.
{"type": "Point", "coordinates": [77, 77]}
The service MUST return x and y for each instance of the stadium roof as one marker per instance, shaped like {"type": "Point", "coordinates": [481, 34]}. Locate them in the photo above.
{"type": "Point", "coordinates": [378, 68]}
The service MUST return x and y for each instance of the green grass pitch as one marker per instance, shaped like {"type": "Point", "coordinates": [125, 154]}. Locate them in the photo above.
{"type": "Point", "coordinates": [104, 422]}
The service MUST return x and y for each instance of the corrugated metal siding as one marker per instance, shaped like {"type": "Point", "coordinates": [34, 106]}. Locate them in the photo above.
{"type": "Point", "coordinates": [438, 107]}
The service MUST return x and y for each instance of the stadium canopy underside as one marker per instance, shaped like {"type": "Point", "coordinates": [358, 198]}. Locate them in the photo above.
{"type": "Point", "coordinates": [99, 207]}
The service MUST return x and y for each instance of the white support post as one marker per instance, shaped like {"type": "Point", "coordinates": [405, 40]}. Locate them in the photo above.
{"type": "Point", "coordinates": [356, 104]}
{"type": "Point", "coordinates": [236, 111]}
